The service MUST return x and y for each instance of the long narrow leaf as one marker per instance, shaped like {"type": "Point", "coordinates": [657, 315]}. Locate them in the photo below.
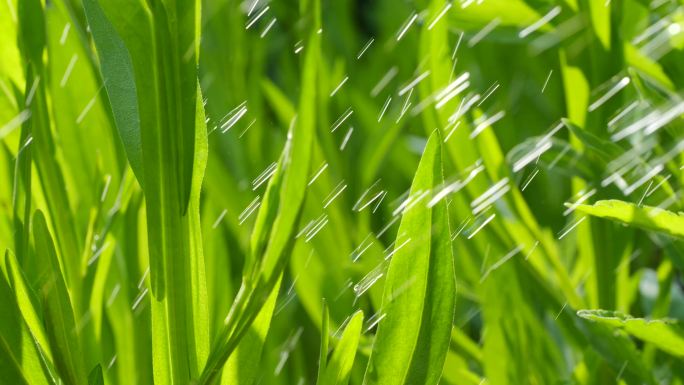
{"type": "Point", "coordinates": [337, 371]}
{"type": "Point", "coordinates": [59, 313]}
{"type": "Point", "coordinates": [418, 300]}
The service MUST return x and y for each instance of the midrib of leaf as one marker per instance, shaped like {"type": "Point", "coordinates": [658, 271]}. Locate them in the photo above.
{"type": "Point", "coordinates": [173, 226]}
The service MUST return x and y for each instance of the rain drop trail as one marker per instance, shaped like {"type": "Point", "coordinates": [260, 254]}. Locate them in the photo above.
{"type": "Point", "coordinates": [439, 16]}
{"type": "Point", "coordinates": [571, 227]}
{"type": "Point", "coordinates": [484, 32]}
{"type": "Point", "coordinates": [365, 48]}
{"type": "Point", "coordinates": [555, 11]}
{"type": "Point", "coordinates": [406, 26]}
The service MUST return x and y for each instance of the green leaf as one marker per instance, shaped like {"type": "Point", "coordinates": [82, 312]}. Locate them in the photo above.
{"type": "Point", "coordinates": [59, 314]}
{"type": "Point", "coordinates": [296, 166]}
{"type": "Point", "coordinates": [645, 217]}
{"type": "Point", "coordinates": [279, 102]}
{"type": "Point", "coordinates": [337, 371]}
{"type": "Point", "coordinates": [418, 300]}
{"type": "Point", "coordinates": [603, 149]}
{"type": "Point", "coordinates": [44, 152]}
{"type": "Point", "coordinates": [665, 334]}
{"type": "Point", "coordinates": [599, 13]}
{"type": "Point", "coordinates": [576, 88]}
{"type": "Point", "coordinates": [10, 369]}
{"type": "Point", "coordinates": [325, 341]}
{"type": "Point", "coordinates": [150, 50]}
{"type": "Point", "coordinates": [119, 81]}
{"type": "Point", "coordinates": [27, 301]}
{"type": "Point", "coordinates": [619, 352]}
{"type": "Point", "coordinates": [22, 359]}
{"type": "Point", "coordinates": [95, 376]}
{"type": "Point", "coordinates": [509, 12]}
{"type": "Point", "coordinates": [273, 235]}
{"type": "Point", "coordinates": [244, 364]}
{"type": "Point", "coordinates": [32, 31]}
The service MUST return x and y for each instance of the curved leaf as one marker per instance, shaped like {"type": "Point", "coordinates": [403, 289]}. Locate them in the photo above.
{"type": "Point", "coordinates": [337, 371]}
{"type": "Point", "coordinates": [59, 313]}
{"type": "Point", "coordinates": [645, 217]}
{"type": "Point", "coordinates": [418, 300]}
{"type": "Point", "coordinates": [119, 81]}
{"type": "Point", "coordinates": [666, 334]}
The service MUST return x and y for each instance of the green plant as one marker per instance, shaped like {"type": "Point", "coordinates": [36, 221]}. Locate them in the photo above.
{"type": "Point", "coordinates": [341, 192]}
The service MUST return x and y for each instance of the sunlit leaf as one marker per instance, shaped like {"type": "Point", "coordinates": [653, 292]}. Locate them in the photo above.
{"type": "Point", "coordinates": [646, 217]}
{"type": "Point", "coordinates": [418, 300]}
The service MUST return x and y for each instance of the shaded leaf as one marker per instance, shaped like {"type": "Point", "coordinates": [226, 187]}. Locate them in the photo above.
{"type": "Point", "coordinates": [119, 81]}
{"type": "Point", "coordinates": [95, 376]}
{"type": "Point", "coordinates": [59, 313]}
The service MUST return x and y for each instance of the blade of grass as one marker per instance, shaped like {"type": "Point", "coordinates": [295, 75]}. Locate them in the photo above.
{"type": "Point", "coordinates": [32, 22]}
{"type": "Point", "coordinates": [418, 299]}
{"type": "Point", "coordinates": [27, 301]}
{"type": "Point", "coordinates": [21, 190]}
{"type": "Point", "coordinates": [325, 342]}
{"type": "Point", "coordinates": [22, 359]}
{"type": "Point", "coordinates": [281, 207]}
{"type": "Point", "coordinates": [173, 142]}
{"type": "Point", "coordinates": [57, 306]}
{"type": "Point", "coordinates": [244, 364]}
{"type": "Point", "coordinates": [337, 371]}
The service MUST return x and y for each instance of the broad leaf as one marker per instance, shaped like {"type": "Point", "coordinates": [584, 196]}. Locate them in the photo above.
{"type": "Point", "coordinates": [413, 338]}
{"type": "Point", "coordinates": [149, 58]}
{"type": "Point", "coordinates": [118, 77]}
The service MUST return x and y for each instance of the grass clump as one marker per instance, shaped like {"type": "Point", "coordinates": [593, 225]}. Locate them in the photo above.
{"type": "Point", "coordinates": [341, 192]}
